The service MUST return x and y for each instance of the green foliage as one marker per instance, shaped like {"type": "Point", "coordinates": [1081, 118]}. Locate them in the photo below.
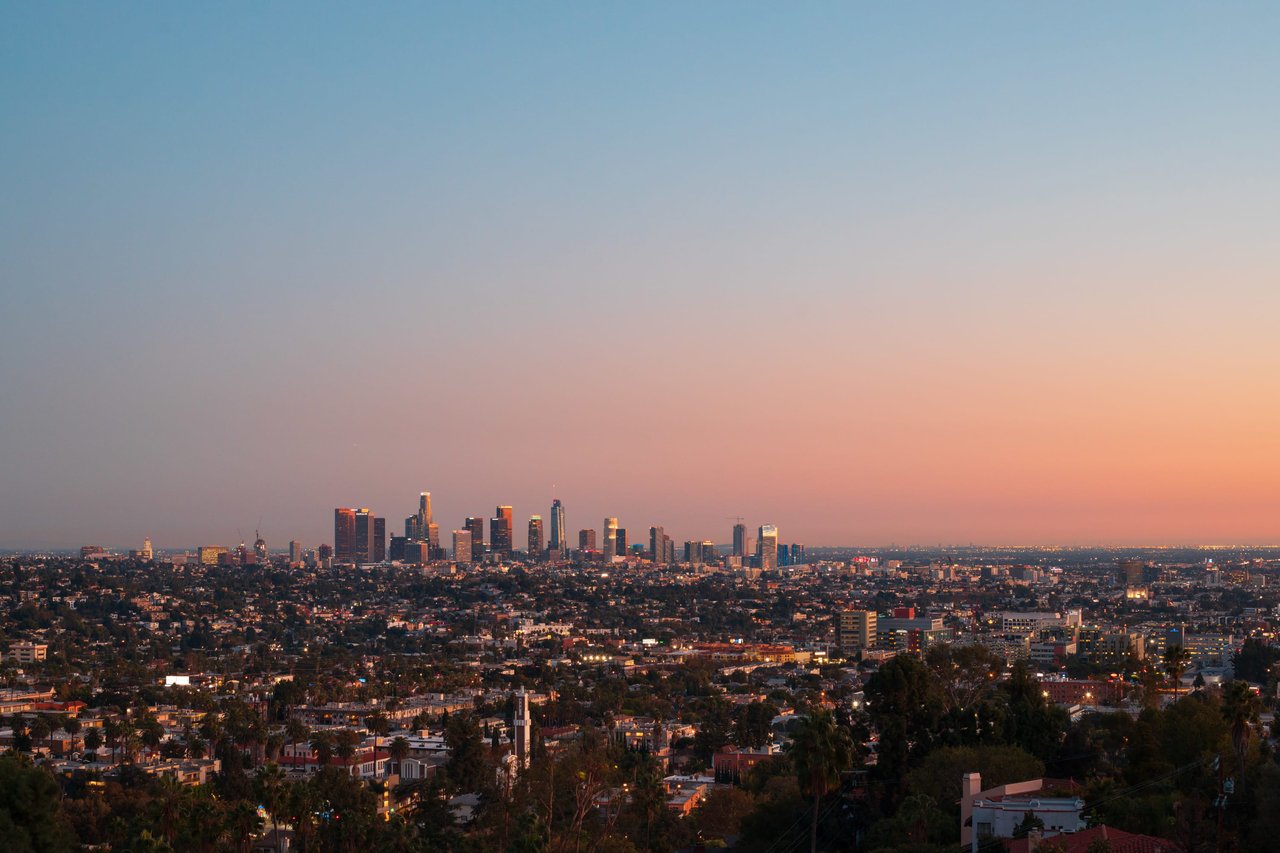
{"type": "Point", "coordinates": [31, 819]}
{"type": "Point", "coordinates": [939, 776]}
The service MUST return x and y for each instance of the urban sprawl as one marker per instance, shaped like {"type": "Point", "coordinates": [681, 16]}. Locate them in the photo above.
{"type": "Point", "coordinates": [613, 690]}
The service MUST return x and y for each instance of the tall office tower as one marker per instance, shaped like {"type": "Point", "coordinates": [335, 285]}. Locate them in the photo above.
{"type": "Point", "coordinates": [147, 553]}
{"type": "Point", "coordinates": [476, 526]}
{"type": "Point", "coordinates": [609, 541]}
{"type": "Point", "coordinates": [739, 540]}
{"type": "Point", "coordinates": [523, 726]}
{"type": "Point", "coordinates": [462, 546]}
{"type": "Point", "coordinates": [559, 541]}
{"type": "Point", "coordinates": [261, 554]}
{"type": "Point", "coordinates": [295, 551]}
{"type": "Point", "coordinates": [798, 555]}
{"type": "Point", "coordinates": [767, 547]}
{"type": "Point", "coordinates": [657, 549]}
{"type": "Point", "coordinates": [856, 631]}
{"type": "Point", "coordinates": [379, 540]}
{"type": "Point", "coordinates": [1131, 570]}
{"type": "Point", "coordinates": [500, 531]}
{"type": "Point", "coordinates": [586, 539]}
{"type": "Point", "coordinates": [362, 552]}
{"type": "Point", "coordinates": [784, 555]}
{"type": "Point", "coordinates": [411, 529]}
{"type": "Point", "coordinates": [432, 537]}
{"type": "Point", "coordinates": [709, 552]}
{"type": "Point", "coordinates": [344, 535]}
{"type": "Point", "coordinates": [535, 537]}
{"type": "Point", "coordinates": [424, 510]}
{"type": "Point", "coordinates": [622, 542]}
{"type": "Point", "coordinates": [398, 548]}
{"type": "Point", "coordinates": [693, 553]}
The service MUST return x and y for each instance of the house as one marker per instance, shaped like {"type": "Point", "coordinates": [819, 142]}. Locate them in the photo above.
{"type": "Point", "coordinates": [997, 812]}
{"type": "Point", "coordinates": [1079, 842]}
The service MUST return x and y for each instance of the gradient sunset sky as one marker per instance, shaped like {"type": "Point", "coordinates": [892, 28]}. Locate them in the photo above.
{"type": "Point", "coordinates": [876, 273]}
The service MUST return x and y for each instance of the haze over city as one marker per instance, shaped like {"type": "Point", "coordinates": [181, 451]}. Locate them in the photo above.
{"type": "Point", "coordinates": [986, 274]}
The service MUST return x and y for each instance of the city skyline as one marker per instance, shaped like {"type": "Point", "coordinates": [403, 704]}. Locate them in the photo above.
{"type": "Point", "coordinates": [963, 273]}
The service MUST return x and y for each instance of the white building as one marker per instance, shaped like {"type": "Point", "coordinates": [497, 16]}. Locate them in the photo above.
{"type": "Point", "coordinates": [997, 812]}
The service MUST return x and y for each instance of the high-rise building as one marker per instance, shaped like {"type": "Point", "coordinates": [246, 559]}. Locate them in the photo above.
{"type": "Point", "coordinates": [767, 547]}
{"type": "Point", "coordinates": [417, 552]}
{"type": "Point", "coordinates": [856, 631]}
{"type": "Point", "coordinates": [462, 546]}
{"type": "Point", "coordinates": [476, 527]}
{"type": "Point", "coordinates": [1132, 572]}
{"type": "Point", "coordinates": [740, 540]}
{"type": "Point", "coordinates": [586, 539]}
{"type": "Point", "coordinates": [657, 547]}
{"type": "Point", "coordinates": [295, 551]}
{"type": "Point", "coordinates": [344, 535]}
{"type": "Point", "coordinates": [693, 553]}
{"type": "Point", "coordinates": [500, 531]}
{"type": "Point", "coordinates": [609, 541]}
{"type": "Point", "coordinates": [210, 555]}
{"type": "Point", "coordinates": [147, 553]}
{"type": "Point", "coordinates": [559, 534]}
{"type": "Point", "coordinates": [411, 530]}
{"type": "Point", "coordinates": [370, 542]}
{"type": "Point", "coordinates": [621, 549]}
{"type": "Point", "coordinates": [424, 510]}
{"type": "Point", "coordinates": [432, 538]}
{"type": "Point", "coordinates": [398, 548]}
{"type": "Point", "coordinates": [535, 537]}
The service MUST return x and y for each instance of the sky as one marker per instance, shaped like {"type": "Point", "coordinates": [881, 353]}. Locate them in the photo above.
{"type": "Point", "coordinates": [877, 273]}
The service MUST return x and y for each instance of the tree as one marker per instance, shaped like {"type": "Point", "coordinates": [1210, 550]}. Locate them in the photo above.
{"type": "Point", "coordinates": [905, 705]}
{"type": "Point", "coordinates": [41, 729]}
{"type": "Point", "coordinates": [1240, 707]}
{"type": "Point", "coordinates": [820, 750]}
{"type": "Point", "coordinates": [1176, 660]}
{"type": "Point", "coordinates": [1030, 721]}
{"type": "Point", "coordinates": [939, 775]}
{"type": "Point", "coordinates": [345, 744]}
{"type": "Point", "coordinates": [269, 787]}
{"type": "Point", "coordinates": [31, 819]}
{"type": "Point", "coordinates": [322, 746]}
{"type": "Point", "coordinates": [721, 812]}
{"type": "Point", "coordinates": [466, 766]}
{"type": "Point", "coordinates": [399, 750]}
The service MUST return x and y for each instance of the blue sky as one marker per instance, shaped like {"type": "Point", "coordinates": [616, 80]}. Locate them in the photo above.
{"type": "Point", "coordinates": [263, 259]}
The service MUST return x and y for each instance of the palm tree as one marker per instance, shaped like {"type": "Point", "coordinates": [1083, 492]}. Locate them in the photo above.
{"type": "Point", "coordinates": [1176, 661]}
{"type": "Point", "coordinates": [296, 730]}
{"type": "Point", "coordinates": [269, 785]}
{"type": "Point", "coordinates": [1240, 707]}
{"type": "Point", "coordinates": [244, 824]}
{"type": "Point", "coordinates": [40, 728]}
{"type": "Point", "coordinates": [322, 746]}
{"type": "Point", "coordinates": [820, 750]}
{"type": "Point", "coordinates": [378, 725]}
{"type": "Point", "coordinates": [399, 752]}
{"type": "Point", "coordinates": [345, 743]}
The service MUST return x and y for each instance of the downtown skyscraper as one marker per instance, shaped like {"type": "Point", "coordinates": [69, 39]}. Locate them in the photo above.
{"type": "Point", "coordinates": [559, 535]}
{"type": "Point", "coordinates": [500, 531]}
{"type": "Point", "coordinates": [609, 542]}
{"type": "Point", "coordinates": [767, 547]}
{"type": "Point", "coordinates": [535, 537]}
